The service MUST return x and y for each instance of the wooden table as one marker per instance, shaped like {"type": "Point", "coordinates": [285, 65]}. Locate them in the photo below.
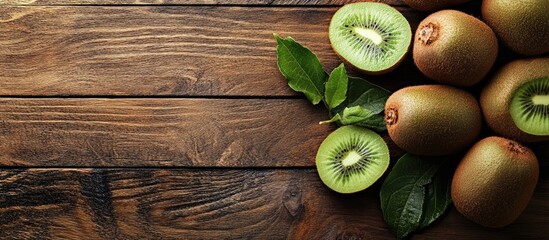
{"type": "Point", "coordinates": [169, 120]}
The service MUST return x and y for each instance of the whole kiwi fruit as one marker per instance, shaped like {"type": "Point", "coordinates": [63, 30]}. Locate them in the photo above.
{"type": "Point", "coordinates": [455, 48]}
{"type": "Point", "coordinates": [521, 25]}
{"type": "Point", "coordinates": [517, 96]}
{"type": "Point", "coordinates": [432, 119]}
{"type": "Point", "coordinates": [432, 5]}
{"type": "Point", "coordinates": [494, 181]}
{"type": "Point", "coordinates": [372, 37]}
{"type": "Point", "coordinates": [351, 159]}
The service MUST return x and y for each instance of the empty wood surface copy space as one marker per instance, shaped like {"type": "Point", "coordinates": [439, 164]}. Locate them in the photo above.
{"type": "Point", "coordinates": [159, 50]}
{"type": "Point", "coordinates": [168, 119]}
{"type": "Point", "coordinates": [160, 132]}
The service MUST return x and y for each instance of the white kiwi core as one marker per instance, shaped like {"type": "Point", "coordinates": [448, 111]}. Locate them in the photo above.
{"type": "Point", "coordinates": [351, 158]}
{"type": "Point", "coordinates": [540, 99]}
{"type": "Point", "coordinates": [374, 36]}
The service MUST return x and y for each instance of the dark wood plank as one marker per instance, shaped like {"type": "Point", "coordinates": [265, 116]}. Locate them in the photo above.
{"type": "Point", "coordinates": [214, 204]}
{"type": "Point", "coordinates": [160, 132]}
{"type": "Point", "coordinates": [168, 51]}
{"type": "Point", "coordinates": [190, 2]}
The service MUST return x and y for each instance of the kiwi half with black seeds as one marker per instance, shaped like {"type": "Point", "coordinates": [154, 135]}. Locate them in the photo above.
{"type": "Point", "coordinates": [515, 102]}
{"type": "Point", "coordinates": [351, 159]}
{"type": "Point", "coordinates": [372, 37]}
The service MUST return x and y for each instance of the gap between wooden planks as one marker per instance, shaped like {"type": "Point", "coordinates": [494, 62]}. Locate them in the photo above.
{"type": "Point", "coordinates": [215, 204]}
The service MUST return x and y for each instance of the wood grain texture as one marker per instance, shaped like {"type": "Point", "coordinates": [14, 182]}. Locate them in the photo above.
{"type": "Point", "coordinates": [190, 2]}
{"type": "Point", "coordinates": [250, 161]}
{"type": "Point", "coordinates": [162, 51]}
{"type": "Point", "coordinates": [160, 132]}
{"type": "Point", "coordinates": [214, 204]}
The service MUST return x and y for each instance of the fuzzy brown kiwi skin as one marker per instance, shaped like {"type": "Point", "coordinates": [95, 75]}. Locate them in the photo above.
{"type": "Point", "coordinates": [496, 96]}
{"type": "Point", "coordinates": [455, 48]}
{"type": "Point", "coordinates": [432, 120]}
{"type": "Point", "coordinates": [495, 181]}
{"type": "Point", "coordinates": [432, 5]}
{"type": "Point", "coordinates": [521, 25]}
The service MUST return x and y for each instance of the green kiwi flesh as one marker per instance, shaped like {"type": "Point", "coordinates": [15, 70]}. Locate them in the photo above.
{"type": "Point", "coordinates": [351, 159]}
{"type": "Point", "coordinates": [514, 101]}
{"type": "Point", "coordinates": [372, 37]}
{"type": "Point", "coordinates": [494, 181]}
{"type": "Point", "coordinates": [521, 25]}
{"type": "Point", "coordinates": [432, 120]}
{"type": "Point", "coordinates": [424, 5]}
{"type": "Point", "coordinates": [530, 107]}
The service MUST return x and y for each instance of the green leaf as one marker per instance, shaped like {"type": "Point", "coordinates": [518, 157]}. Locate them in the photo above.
{"type": "Point", "coordinates": [334, 119]}
{"type": "Point", "coordinates": [354, 115]}
{"type": "Point", "coordinates": [358, 86]}
{"type": "Point", "coordinates": [375, 122]}
{"type": "Point", "coordinates": [364, 105]}
{"type": "Point", "coordinates": [336, 87]}
{"type": "Point", "coordinates": [407, 210]}
{"type": "Point", "coordinates": [301, 68]}
{"type": "Point", "coordinates": [437, 195]}
{"type": "Point", "coordinates": [373, 99]}
{"type": "Point", "coordinates": [403, 193]}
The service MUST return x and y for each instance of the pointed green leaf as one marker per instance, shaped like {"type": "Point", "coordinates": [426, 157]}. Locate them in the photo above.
{"type": "Point", "coordinates": [301, 68]}
{"type": "Point", "coordinates": [356, 114]}
{"type": "Point", "coordinates": [336, 87]}
{"type": "Point", "coordinates": [437, 195]}
{"type": "Point", "coordinates": [375, 122]}
{"type": "Point", "coordinates": [334, 119]}
{"type": "Point", "coordinates": [373, 99]}
{"type": "Point", "coordinates": [403, 192]}
{"type": "Point", "coordinates": [358, 86]}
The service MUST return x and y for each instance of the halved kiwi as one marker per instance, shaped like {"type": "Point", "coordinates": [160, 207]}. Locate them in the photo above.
{"type": "Point", "coordinates": [515, 102]}
{"type": "Point", "coordinates": [372, 37]}
{"type": "Point", "coordinates": [351, 159]}
{"type": "Point", "coordinates": [530, 107]}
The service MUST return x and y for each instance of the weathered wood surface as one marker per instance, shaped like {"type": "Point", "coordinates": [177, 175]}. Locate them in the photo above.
{"type": "Point", "coordinates": [136, 132]}
{"type": "Point", "coordinates": [214, 204]}
{"type": "Point", "coordinates": [248, 160]}
{"type": "Point", "coordinates": [160, 132]}
{"type": "Point", "coordinates": [167, 51]}
{"type": "Point", "coordinates": [191, 2]}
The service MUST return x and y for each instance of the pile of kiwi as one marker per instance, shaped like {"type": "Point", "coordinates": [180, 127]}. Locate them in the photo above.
{"type": "Point", "coordinates": [497, 175]}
